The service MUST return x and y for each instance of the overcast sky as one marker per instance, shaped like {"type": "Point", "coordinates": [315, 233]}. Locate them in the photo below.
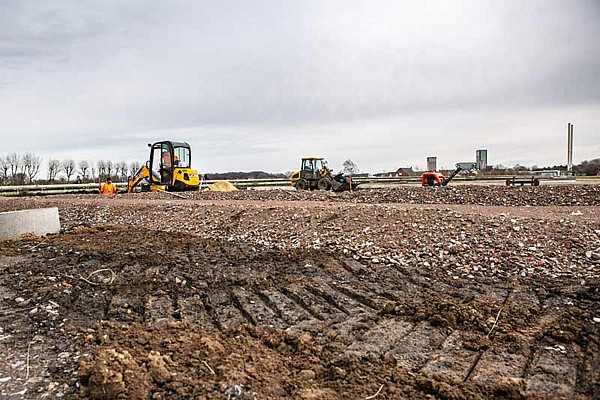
{"type": "Point", "coordinates": [255, 85]}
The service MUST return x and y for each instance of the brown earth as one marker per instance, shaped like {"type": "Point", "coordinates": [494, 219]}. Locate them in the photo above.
{"type": "Point", "coordinates": [310, 297]}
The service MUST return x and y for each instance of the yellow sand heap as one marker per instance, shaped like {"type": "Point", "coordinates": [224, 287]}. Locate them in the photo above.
{"type": "Point", "coordinates": [222, 186]}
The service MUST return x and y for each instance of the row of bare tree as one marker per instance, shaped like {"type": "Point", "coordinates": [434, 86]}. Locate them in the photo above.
{"type": "Point", "coordinates": [16, 169]}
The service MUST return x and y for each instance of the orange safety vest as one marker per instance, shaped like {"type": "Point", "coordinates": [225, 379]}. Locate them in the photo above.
{"type": "Point", "coordinates": [167, 160]}
{"type": "Point", "coordinates": [108, 189]}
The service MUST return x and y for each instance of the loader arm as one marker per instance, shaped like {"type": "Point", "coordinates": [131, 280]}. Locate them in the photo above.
{"type": "Point", "coordinates": [139, 176]}
{"type": "Point", "coordinates": [461, 166]}
{"type": "Point", "coordinates": [452, 175]}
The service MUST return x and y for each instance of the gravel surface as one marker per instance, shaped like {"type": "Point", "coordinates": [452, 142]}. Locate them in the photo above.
{"type": "Point", "coordinates": [481, 195]}
{"type": "Point", "coordinates": [276, 294]}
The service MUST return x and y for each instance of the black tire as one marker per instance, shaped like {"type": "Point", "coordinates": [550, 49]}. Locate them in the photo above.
{"type": "Point", "coordinates": [301, 184]}
{"type": "Point", "coordinates": [324, 184]}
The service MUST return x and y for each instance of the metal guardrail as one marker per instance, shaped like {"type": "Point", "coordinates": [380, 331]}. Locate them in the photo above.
{"type": "Point", "coordinates": [63, 188]}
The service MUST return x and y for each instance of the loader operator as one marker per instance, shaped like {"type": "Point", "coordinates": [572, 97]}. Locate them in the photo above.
{"type": "Point", "coordinates": [166, 170]}
{"type": "Point", "coordinates": [108, 188]}
{"type": "Point", "coordinates": [166, 159]}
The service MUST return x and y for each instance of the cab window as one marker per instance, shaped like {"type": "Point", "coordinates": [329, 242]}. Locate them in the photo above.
{"type": "Point", "coordinates": [156, 163]}
{"type": "Point", "coordinates": [182, 157]}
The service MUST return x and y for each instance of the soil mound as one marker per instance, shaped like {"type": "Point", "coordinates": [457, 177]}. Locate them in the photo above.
{"type": "Point", "coordinates": [222, 186]}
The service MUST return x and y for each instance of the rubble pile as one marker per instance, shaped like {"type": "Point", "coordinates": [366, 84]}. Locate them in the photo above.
{"type": "Point", "coordinates": [574, 195]}
{"type": "Point", "coordinates": [462, 243]}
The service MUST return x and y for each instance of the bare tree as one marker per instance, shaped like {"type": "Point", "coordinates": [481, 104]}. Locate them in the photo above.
{"type": "Point", "coordinates": [53, 168]}
{"type": "Point", "coordinates": [134, 168]}
{"type": "Point", "coordinates": [101, 168]}
{"type": "Point", "coordinates": [31, 165]}
{"type": "Point", "coordinates": [4, 167]}
{"type": "Point", "coordinates": [117, 167]}
{"type": "Point", "coordinates": [84, 167]}
{"type": "Point", "coordinates": [69, 167]}
{"type": "Point", "coordinates": [109, 168]}
{"type": "Point", "coordinates": [14, 162]}
{"type": "Point", "coordinates": [122, 170]}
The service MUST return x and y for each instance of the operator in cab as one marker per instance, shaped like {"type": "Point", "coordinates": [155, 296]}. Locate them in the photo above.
{"type": "Point", "coordinates": [166, 159]}
{"type": "Point", "coordinates": [108, 188]}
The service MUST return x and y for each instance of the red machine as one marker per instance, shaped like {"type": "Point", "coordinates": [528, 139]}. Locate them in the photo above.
{"type": "Point", "coordinates": [437, 179]}
{"type": "Point", "coordinates": [432, 179]}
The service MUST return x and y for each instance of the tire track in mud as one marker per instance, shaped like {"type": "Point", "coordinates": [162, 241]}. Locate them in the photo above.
{"type": "Point", "coordinates": [414, 346]}
{"type": "Point", "coordinates": [299, 301]}
{"type": "Point", "coordinates": [549, 363]}
{"type": "Point", "coordinates": [235, 300]}
{"type": "Point", "coordinates": [326, 299]}
{"type": "Point", "coordinates": [290, 311]}
{"type": "Point", "coordinates": [486, 348]}
{"type": "Point", "coordinates": [360, 296]}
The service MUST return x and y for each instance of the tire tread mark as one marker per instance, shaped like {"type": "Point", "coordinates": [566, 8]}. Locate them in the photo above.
{"type": "Point", "coordinates": [438, 350]}
{"type": "Point", "coordinates": [483, 351]}
{"type": "Point", "coordinates": [358, 297]}
{"type": "Point", "coordinates": [212, 312]}
{"type": "Point", "coordinates": [539, 335]}
{"type": "Point", "coordinates": [410, 277]}
{"type": "Point", "coordinates": [580, 381]}
{"type": "Point", "coordinates": [270, 304]}
{"type": "Point", "coordinates": [176, 309]}
{"type": "Point", "coordinates": [147, 310]}
{"type": "Point", "coordinates": [328, 298]}
{"type": "Point", "coordinates": [389, 296]}
{"type": "Point", "coordinates": [474, 365]}
{"type": "Point", "coordinates": [238, 305]}
{"type": "Point", "coordinates": [298, 300]}
{"type": "Point", "coordinates": [533, 350]}
{"type": "Point", "coordinates": [353, 271]}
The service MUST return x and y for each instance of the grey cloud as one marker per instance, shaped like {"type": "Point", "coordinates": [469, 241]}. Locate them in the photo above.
{"type": "Point", "coordinates": [256, 75]}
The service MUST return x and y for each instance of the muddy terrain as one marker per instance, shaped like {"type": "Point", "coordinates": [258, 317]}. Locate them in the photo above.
{"type": "Point", "coordinates": [404, 293]}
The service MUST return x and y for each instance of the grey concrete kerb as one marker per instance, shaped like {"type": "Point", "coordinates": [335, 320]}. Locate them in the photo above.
{"type": "Point", "coordinates": [39, 221]}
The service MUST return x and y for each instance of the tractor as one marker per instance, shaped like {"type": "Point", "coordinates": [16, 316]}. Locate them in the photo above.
{"type": "Point", "coordinates": [314, 174]}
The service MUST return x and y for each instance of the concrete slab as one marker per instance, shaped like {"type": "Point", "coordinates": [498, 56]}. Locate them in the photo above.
{"type": "Point", "coordinates": [39, 221]}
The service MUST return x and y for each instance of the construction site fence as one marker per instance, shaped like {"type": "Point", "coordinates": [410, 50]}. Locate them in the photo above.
{"type": "Point", "coordinates": [32, 190]}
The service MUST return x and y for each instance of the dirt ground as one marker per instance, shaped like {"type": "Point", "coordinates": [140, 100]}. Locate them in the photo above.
{"type": "Point", "coordinates": [306, 296]}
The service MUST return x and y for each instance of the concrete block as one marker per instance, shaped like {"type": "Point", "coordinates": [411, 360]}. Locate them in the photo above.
{"type": "Point", "coordinates": [39, 221]}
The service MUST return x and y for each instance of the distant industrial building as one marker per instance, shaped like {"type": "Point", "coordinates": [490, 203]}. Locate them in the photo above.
{"type": "Point", "coordinates": [431, 164]}
{"type": "Point", "coordinates": [402, 171]}
{"type": "Point", "coordinates": [481, 158]}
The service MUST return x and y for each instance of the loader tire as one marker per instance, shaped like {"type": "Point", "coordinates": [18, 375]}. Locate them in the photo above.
{"type": "Point", "coordinates": [302, 184]}
{"type": "Point", "coordinates": [324, 184]}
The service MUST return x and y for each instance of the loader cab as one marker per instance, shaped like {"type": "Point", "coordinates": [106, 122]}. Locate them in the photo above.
{"type": "Point", "coordinates": [311, 168]}
{"type": "Point", "coordinates": [165, 157]}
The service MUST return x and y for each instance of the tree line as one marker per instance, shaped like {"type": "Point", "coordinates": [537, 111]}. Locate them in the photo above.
{"type": "Point", "coordinates": [17, 169]}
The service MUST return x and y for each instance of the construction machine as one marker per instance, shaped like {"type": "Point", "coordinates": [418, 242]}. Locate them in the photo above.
{"type": "Point", "coordinates": [168, 169]}
{"type": "Point", "coordinates": [314, 174]}
{"type": "Point", "coordinates": [437, 179]}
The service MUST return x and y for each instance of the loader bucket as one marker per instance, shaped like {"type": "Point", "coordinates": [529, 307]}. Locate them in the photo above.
{"type": "Point", "coordinates": [342, 183]}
